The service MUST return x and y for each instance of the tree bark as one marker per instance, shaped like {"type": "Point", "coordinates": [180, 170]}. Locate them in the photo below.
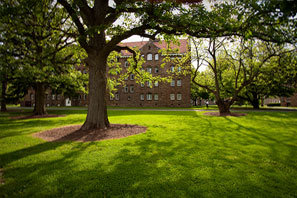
{"type": "Point", "coordinates": [224, 107]}
{"type": "Point", "coordinates": [3, 101]}
{"type": "Point", "coordinates": [97, 109]}
{"type": "Point", "coordinates": [39, 108]}
{"type": "Point", "coordinates": [255, 101]}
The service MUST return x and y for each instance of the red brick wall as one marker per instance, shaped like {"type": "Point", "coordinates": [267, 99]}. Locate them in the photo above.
{"type": "Point", "coordinates": [164, 89]}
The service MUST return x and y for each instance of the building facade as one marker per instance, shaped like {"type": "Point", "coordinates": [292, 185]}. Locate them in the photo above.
{"type": "Point", "coordinates": [175, 93]}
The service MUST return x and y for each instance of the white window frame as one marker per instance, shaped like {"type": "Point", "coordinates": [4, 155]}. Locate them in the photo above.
{"type": "Point", "coordinates": [141, 84]}
{"type": "Point", "coordinates": [172, 96]}
{"type": "Point", "coordinates": [149, 96]}
{"type": "Point", "coordinates": [132, 77]}
{"type": "Point", "coordinates": [156, 83]}
{"type": "Point", "coordinates": [149, 57]}
{"type": "Point", "coordinates": [179, 96]}
{"type": "Point", "coordinates": [53, 96]}
{"type": "Point", "coordinates": [172, 68]}
{"type": "Point", "coordinates": [131, 88]}
{"type": "Point", "coordinates": [141, 97]}
{"type": "Point", "coordinates": [156, 56]}
{"type": "Point", "coordinates": [126, 63]}
{"type": "Point", "coordinates": [172, 83]}
{"type": "Point", "coordinates": [156, 97]}
{"type": "Point", "coordinates": [148, 84]}
{"type": "Point", "coordinates": [179, 83]}
{"type": "Point", "coordinates": [117, 96]}
{"type": "Point", "coordinates": [110, 97]}
{"type": "Point", "coordinates": [149, 70]}
{"type": "Point", "coordinates": [126, 89]}
{"type": "Point", "coordinates": [156, 70]}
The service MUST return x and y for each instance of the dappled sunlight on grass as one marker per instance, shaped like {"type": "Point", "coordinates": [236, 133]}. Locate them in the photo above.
{"type": "Point", "coordinates": [182, 154]}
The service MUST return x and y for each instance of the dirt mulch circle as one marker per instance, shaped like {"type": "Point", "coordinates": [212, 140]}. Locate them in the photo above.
{"type": "Point", "coordinates": [73, 133]}
{"type": "Point", "coordinates": [24, 117]}
{"type": "Point", "coordinates": [218, 114]}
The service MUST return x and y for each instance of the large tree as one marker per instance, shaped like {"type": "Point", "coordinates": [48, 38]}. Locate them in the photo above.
{"type": "Point", "coordinates": [102, 26]}
{"type": "Point", "coordinates": [278, 78]}
{"type": "Point", "coordinates": [231, 66]}
{"type": "Point", "coordinates": [41, 35]}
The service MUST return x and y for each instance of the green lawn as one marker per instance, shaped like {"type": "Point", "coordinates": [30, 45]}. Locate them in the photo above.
{"type": "Point", "coordinates": [183, 154]}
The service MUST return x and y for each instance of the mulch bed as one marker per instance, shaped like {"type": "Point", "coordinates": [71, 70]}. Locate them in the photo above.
{"type": "Point", "coordinates": [73, 133]}
{"type": "Point", "coordinates": [24, 117]}
{"type": "Point", "coordinates": [218, 114]}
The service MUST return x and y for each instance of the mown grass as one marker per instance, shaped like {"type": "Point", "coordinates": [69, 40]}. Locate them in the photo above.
{"type": "Point", "coordinates": [183, 154]}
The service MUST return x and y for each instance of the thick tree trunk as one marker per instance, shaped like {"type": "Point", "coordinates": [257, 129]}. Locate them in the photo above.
{"type": "Point", "coordinates": [39, 108]}
{"type": "Point", "coordinates": [97, 109]}
{"type": "Point", "coordinates": [3, 101]}
{"type": "Point", "coordinates": [254, 100]}
{"type": "Point", "coordinates": [224, 107]}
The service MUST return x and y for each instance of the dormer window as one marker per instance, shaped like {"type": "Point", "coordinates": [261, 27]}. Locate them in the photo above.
{"type": "Point", "coordinates": [149, 57]}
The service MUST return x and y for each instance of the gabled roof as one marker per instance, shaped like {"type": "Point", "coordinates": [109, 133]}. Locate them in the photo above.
{"type": "Point", "coordinates": [183, 47]}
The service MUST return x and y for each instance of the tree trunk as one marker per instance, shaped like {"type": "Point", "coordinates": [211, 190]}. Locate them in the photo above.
{"type": "Point", "coordinates": [39, 108]}
{"type": "Point", "coordinates": [254, 100]}
{"type": "Point", "coordinates": [3, 101]}
{"type": "Point", "coordinates": [224, 107]}
{"type": "Point", "coordinates": [97, 109]}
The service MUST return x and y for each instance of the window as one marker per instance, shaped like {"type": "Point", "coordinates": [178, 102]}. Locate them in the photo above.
{"type": "Point", "coordinates": [85, 96]}
{"type": "Point", "coordinates": [156, 56]}
{"type": "Point", "coordinates": [156, 84]}
{"type": "Point", "coordinates": [142, 84]}
{"type": "Point", "coordinates": [126, 64]}
{"type": "Point", "coordinates": [149, 96]}
{"type": "Point", "coordinates": [117, 96]}
{"type": "Point", "coordinates": [156, 97]}
{"type": "Point", "coordinates": [53, 97]}
{"type": "Point", "coordinates": [179, 69]}
{"type": "Point", "coordinates": [58, 97]}
{"type": "Point", "coordinates": [156, 69]}
{"type": "Point", "coordinates": [129, 98]}
{"type": "Point", "coordinates": [149, 57]}
{"type": "Point", "coordinates": [172, 68]}
{"type": "Point", "coordinates": [141, 96]}
{"type": "Point", "coordinates": [172, 97]}
{"type": "Point", "coordinates": [32, 96]}
{"type": "Point", "coordinates": [178, 96]}
{"type": "Point", "coordinates": [149, 84]}
{"type": "Point", "coordinates": [110, 97]}
{"type": "Point", "coordinates": [132, 89]}
{"type": "Point", "coordinates": [172, 83]}
{"type": "Point", "coordinates": [126, 89]}
{"type": "Point", "coordinates": [149, 47]}
{"type": "Point", "coordinates": [48, 96]}
{"type": "Point", "coordinates": [132, 77]}
{"type": "Point", "coordinates": [149, 70]}
{"type": "Point", "coordinates": [178, 82]}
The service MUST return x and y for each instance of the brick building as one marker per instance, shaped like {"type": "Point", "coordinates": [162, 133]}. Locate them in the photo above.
{"type": "Point", "coordinates": [289, 101]}
{"type": "Point", "coordinates": [159, 94]}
